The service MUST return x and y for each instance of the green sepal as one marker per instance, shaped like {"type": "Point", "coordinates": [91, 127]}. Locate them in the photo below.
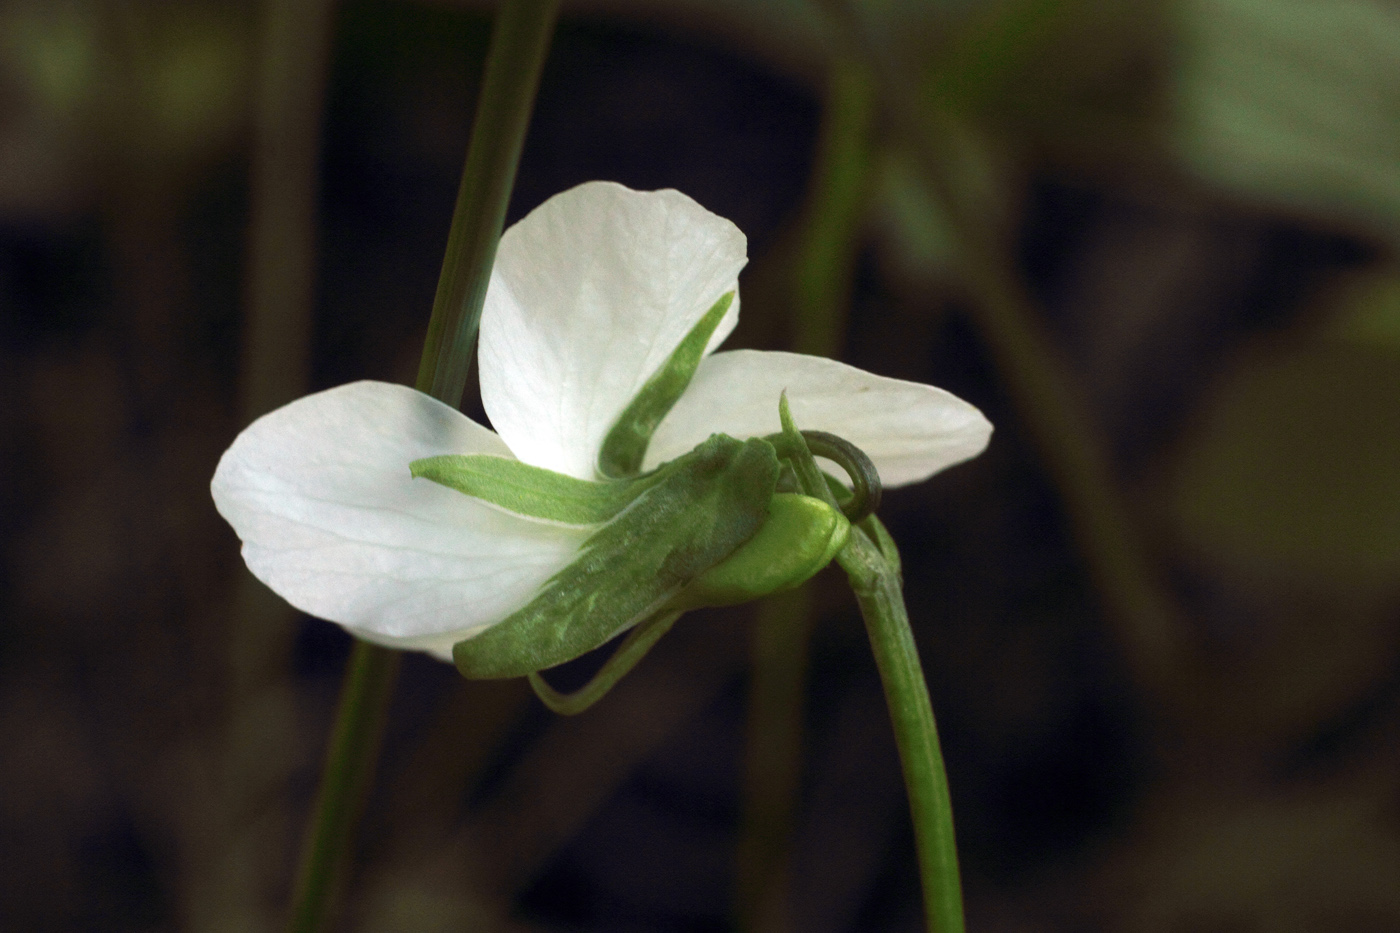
{"type": "Point", "coordinates": [626, 443]}
{"type": "Point", "coordinates": [810, 478]}
{"type": "Point", "coordinates": [699, 511]}
{"type": "Point", "coordinates": [531, 490]}
{"type": "Point", "coordinates": [800, 537]}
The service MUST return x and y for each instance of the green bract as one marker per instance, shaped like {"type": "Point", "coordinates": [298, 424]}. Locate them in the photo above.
{"type": "Point", "coordinates": [626, 442]}
{"type": "Point", "coordinates": [531, 490]}
{"type": "Point", "coordinates": [706, 529]}
{"type": "Point", "coordinates": [698, 512]}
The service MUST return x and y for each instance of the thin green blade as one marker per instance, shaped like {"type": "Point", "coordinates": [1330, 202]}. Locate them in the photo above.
{"type": "Point", "coordinates": [627, 440]}
{"type": "Point", "coordinates": [531, 490]}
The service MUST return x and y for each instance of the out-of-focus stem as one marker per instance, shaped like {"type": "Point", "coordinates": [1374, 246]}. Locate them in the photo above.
{"type": "Point", "coordinates": [519, 43]}
{"type": "Point", "coordinates": [231, 889]}
{"type": "Point", "coordinates": [830, 237]}
{"type": "Point", "coordinates": [821, 288]}
{"type": "Point", "coordinates": [778, 658]}
{"type": "Point", "coordinates": [285, 183]}
{"type": "Point", "coordinates": [1149, 628]}
{"type": "Point", "coordinates": [1144, 616]}
{"type": "Point", "coordinates": [349, 770]}
{"type": "Point", "coordinates": [278, 299]}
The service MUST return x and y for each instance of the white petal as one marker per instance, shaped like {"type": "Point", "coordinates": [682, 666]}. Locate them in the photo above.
{"type": "Point", "coordinates": [590, 294]}
{"type": "Point", "coordinates": [331, 520]}
{"type": "Point", "coordinates": [910, 430]}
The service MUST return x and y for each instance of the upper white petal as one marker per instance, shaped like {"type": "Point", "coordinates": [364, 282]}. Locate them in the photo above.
{"type": "Point", "coordinates": [910, 430]}
{"type": "Point", "coordinates": [590, 294]}
{"type": "Point", "coordinates": [320, 493]}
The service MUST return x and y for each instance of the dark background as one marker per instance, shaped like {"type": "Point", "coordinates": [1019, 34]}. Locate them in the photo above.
{"type": "Point", "coordinates": [1192, 208]}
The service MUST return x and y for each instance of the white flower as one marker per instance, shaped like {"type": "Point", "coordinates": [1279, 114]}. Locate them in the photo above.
{"type": "Point", "coordinates": [590, 294]}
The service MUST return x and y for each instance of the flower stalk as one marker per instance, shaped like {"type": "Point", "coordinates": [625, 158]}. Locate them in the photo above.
{"type": "Point", "coordinates": [872, 565]}
{"type": "Point", "coordinates": [871, 561]}
{"type": "Point", "coordinates": [519, 43]}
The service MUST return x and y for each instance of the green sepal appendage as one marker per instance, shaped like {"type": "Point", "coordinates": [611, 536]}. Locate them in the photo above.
{"type": "Point", "coordinates": [699, 511]}
{"type": "Point", "coordinates": [626, 443]}
{"type": "Point", "coordinates": [633, 648]}
{"type": "Point", "coordinates": [531, 490]}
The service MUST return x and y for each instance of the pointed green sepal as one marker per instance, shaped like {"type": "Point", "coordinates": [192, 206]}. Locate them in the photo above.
{"type": "Point", "coordinates": [626, 444]}
{"type": "Point", "coordinates": [531, 490]}
{"type": "Point", "coordinates": [797, 449]}
{"type": "Point", "coordinates": [800, 537]}
{"type": "Point", "coordinates": [793, 447]}
{"type": "Point", "coordinates": [698, 512]}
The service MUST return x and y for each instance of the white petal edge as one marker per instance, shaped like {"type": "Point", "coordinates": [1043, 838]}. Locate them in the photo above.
{"type": "Point", "coordinates": [319, 491]}
{"type": "Point", "coordinates": [910, 430]}
{"type": "Point", "coordinates": [590, 293]}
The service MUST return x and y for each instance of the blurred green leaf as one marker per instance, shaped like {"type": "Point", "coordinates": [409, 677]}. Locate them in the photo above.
{"type": "Point", "coordinates": [1369, 312]}
{"type": "Point", "coordinates": [917, 231]}
{"type": "Point", "coordinates": [53, 50]}
{"type": "Point", "coordinates": [1080, 78]}
{"type": "Point", "coordinates": [1297, 465]}
{"type": "Point", "coordinates": [1296, 102]}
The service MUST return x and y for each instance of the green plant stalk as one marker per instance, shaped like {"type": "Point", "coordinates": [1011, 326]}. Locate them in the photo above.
{"type": "Point", "coordinates": [519, 43]}
{"type": "Point", "coordinates": [871, 561]}
{"type": "Point", "coordinates": [821, 287]}
{"type": "Point", "coordinates": [345, 781]}
{"type": "Point", "coordinates": [778, 658]}
{"type": "Point", "coordinates": [872, 565]}
{"type": "Point", "coordinates": [293, 47]}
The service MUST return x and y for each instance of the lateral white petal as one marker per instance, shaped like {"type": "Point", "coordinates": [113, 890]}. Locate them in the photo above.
{"type": "Point", "coordinates": [590, 294]}
{"type": "Point", "coordinates": [910, 430]}
{"type": "Point", "coordinates": [320, 493]}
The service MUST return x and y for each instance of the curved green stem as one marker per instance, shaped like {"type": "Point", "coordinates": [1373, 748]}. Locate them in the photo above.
{"type": "Point", "coordinates": [519, 42]}
{"type": "Point", "coordinates": [871, 563]}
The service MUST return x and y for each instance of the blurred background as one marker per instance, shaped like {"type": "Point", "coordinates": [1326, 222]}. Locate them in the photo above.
{"type": "Point", "coordinates": [1154, 242]}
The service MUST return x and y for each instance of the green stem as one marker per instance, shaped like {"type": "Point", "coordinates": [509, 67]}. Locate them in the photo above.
{"type": "Point", "coordinates": [778, 657]}
{"type": "Point", "coordinates": [872, 564]}
{"type": "Point", "coordinates": [519, 43]}
{"type": "Point", "coordinates": [345, 781]}
{"type": "Point", "coordinates": [871, 561]}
